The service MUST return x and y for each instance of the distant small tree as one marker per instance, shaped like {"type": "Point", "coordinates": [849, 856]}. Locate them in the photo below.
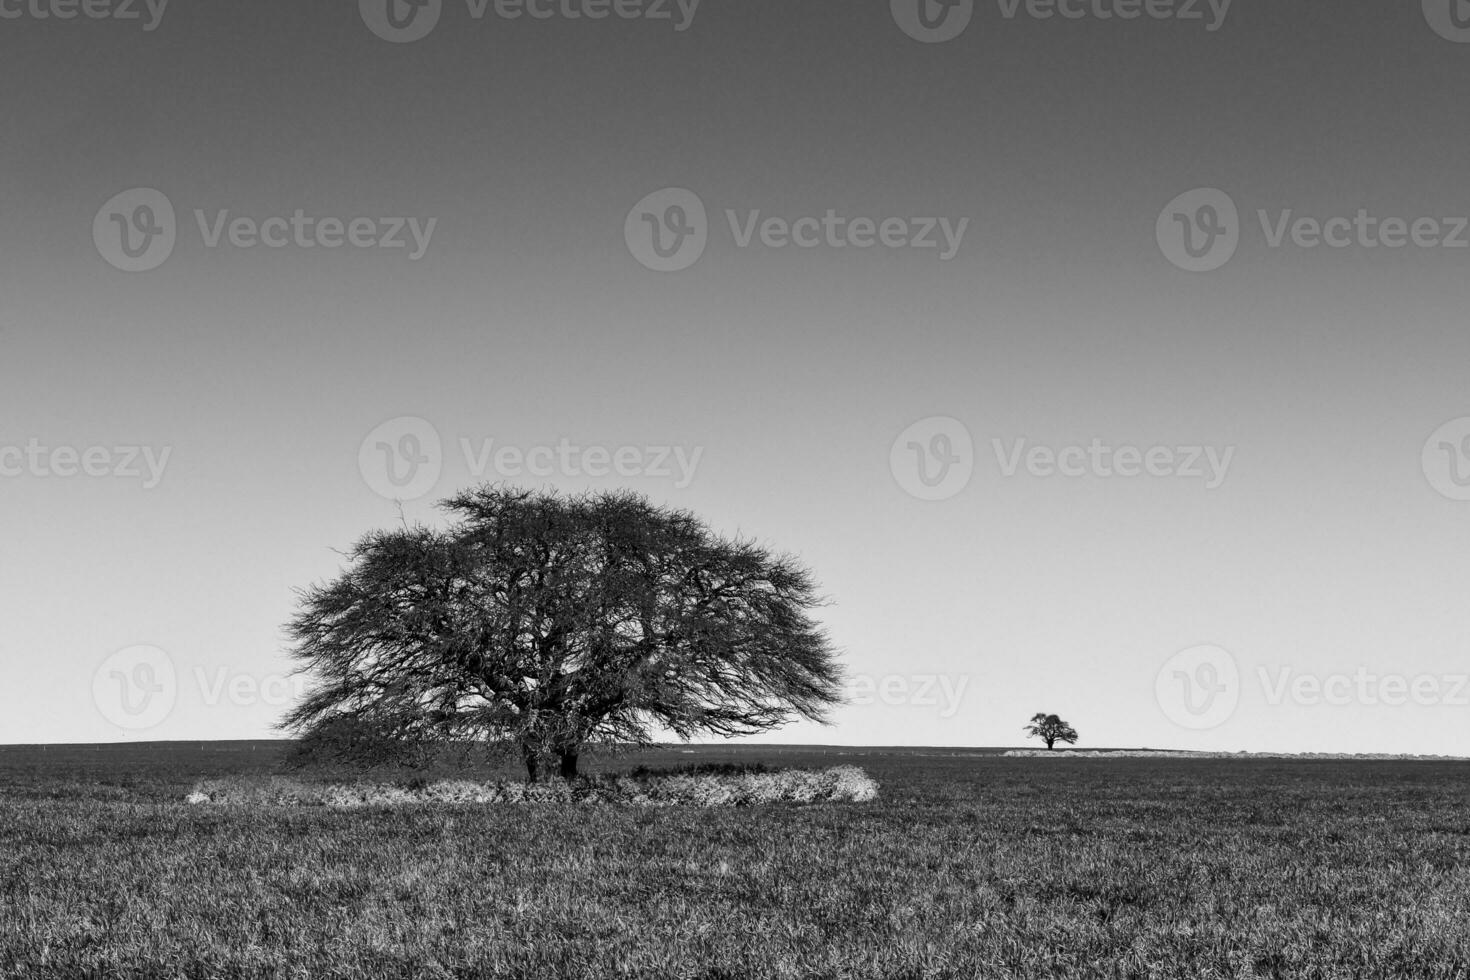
{"type": "Point", "coordinates": [1051, 730]}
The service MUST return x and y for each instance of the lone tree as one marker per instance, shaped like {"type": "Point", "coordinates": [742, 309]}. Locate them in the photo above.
{"type": "Point", "coordinates": [1051, 730]}
{"type": "Point", "coordinates": [547, 622]}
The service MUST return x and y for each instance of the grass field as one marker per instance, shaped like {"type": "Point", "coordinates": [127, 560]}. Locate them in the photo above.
{"type": "Point", "coordinates": [969, 865]}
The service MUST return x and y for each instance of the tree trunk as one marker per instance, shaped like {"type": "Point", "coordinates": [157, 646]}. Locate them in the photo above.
{"type": "Point", "coordinates": [1049, 743]}
{"type": "Point", "coordinates": [569, 764]}
{"type": "Point", "coordinates": [533, 765]}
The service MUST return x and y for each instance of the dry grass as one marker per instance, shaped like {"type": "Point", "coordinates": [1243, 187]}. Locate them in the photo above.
{"type": "Point", "coordinates": [842, 784]}
{"type": "Point", "coordinates": [966, 867]}
{"type": "Point", "coordinates": [1109, 754]}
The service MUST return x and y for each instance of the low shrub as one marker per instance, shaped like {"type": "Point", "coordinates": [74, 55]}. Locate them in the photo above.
{"type": "Point", "coordinates": [703, 769]}
{"type": "Point", "coordinates": [697, 786]}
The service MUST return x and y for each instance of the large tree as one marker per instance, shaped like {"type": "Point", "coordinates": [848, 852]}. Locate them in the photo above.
{"type": "Point", "coordinates": [548, 622]}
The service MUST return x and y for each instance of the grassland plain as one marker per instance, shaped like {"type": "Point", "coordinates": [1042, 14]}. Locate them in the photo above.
{"type": "Point", "coordinates": [969, 865]}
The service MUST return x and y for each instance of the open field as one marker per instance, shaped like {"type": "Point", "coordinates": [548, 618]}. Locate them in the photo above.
{"type": "Point", "coordinates": [968, 865]}
{"type": "Point", "coordinates": [1116, 754]}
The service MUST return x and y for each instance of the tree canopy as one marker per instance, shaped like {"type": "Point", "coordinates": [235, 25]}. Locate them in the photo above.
{"type": "Point", "coordinates": [548, 622]}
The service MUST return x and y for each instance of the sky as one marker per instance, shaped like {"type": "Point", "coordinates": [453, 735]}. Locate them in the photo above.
{"type": "Point", "coordinates": [1099, 365]}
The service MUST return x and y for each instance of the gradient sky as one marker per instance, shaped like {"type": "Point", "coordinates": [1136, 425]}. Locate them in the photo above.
{"type": "Point", "coordinates": [1327, 548]}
